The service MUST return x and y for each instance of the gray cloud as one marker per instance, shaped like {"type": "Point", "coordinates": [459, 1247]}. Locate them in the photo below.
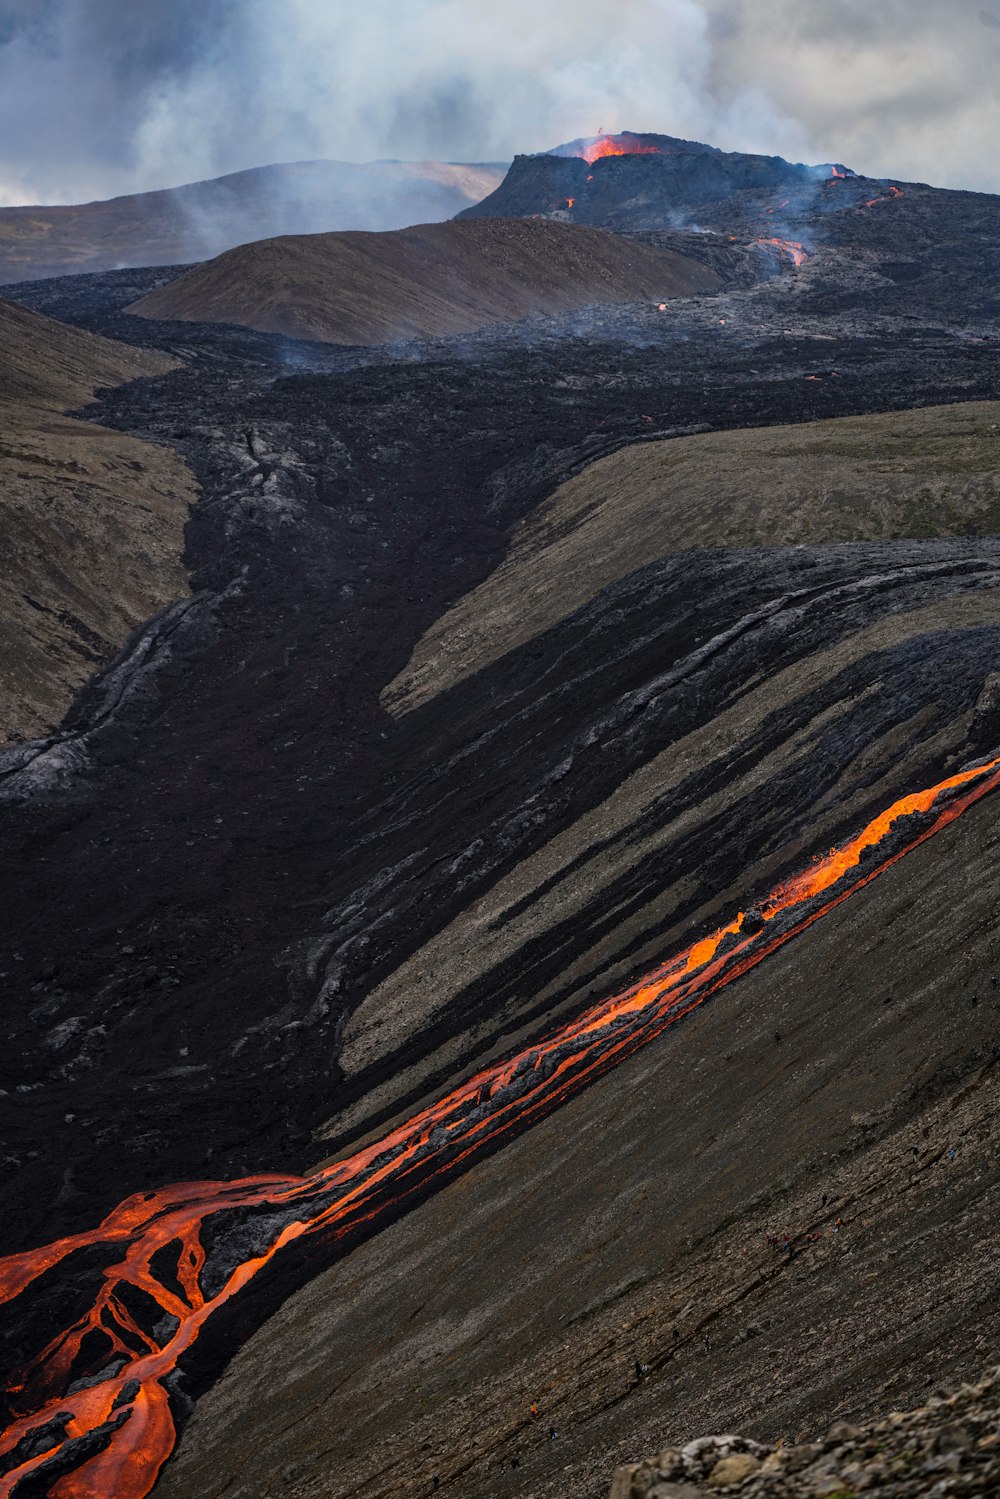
{"type": "Point", "coordinates": [895, 87]}
{"type": "Point", "coordinates": [106, 96]}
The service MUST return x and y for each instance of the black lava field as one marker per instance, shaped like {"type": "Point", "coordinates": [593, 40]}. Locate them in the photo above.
{"type": "Point", "coordinates": [232, 842]}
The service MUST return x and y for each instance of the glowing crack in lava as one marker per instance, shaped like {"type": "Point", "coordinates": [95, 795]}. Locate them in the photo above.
{"type": "Point", "coordinates": [889, 197]}
{"type": "Point", "coordinates": [96, 1408]}
{"type": "Point", "coordinates": [617, 145]}
{"type": "Point", "coordinates": [790, 248]}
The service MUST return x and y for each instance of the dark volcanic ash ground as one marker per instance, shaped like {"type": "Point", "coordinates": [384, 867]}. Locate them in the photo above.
{"type": "Point", "coordinates": [240, 842]}
{"type": "Point", "coordinates": [232, 842]}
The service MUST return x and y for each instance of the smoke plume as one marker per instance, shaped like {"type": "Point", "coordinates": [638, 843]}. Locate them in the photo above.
{"type": "Point", "coordinates": [110, 96]}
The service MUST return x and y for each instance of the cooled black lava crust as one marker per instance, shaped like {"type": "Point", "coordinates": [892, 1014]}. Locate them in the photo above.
{"type": "Point", "coordinates": [248, 801]}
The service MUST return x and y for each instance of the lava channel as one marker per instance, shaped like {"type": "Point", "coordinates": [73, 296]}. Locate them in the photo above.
{"type": "Point", "coordinates": [791, 249]}
{"type": "Point", "coordinates": [96, 1410]}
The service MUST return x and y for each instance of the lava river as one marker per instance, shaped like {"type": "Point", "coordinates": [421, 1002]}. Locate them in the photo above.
{"type": "Point", "coordinates": [96, 1410]}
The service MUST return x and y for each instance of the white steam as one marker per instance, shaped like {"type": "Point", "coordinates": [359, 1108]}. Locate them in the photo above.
{"type": "Point", "coordinates": [105, 96]}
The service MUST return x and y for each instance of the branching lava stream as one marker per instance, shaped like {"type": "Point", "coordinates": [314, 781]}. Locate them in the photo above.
{"type": "Point", "coordinates": [97, 1408]}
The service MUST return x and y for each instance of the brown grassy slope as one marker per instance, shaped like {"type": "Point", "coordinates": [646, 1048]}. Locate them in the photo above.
{"type": "Point", "coordinates": [934, 472]}
{"type": "Point", "coordinates": [599, 849]}
{"type": "Point", "coordinates": [642, 1207]}
{"type": "Point", "coordinates": [433, 280]}
{"type": "Point", "coordinates": [92, 522]}
{"type": "Point", "coordinates": [203, 218]}
{"type": "Point", "coordinates": [46, 364]}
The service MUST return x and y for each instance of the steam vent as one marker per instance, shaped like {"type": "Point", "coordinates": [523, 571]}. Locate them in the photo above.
{"type": "Point", "coordinates": [500, 790]}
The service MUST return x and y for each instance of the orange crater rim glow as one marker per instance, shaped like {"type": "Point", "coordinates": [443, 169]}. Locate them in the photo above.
{"type": "Point", "coordinates": [617, 145]}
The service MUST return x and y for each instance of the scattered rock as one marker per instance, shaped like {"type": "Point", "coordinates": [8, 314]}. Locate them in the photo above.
{"type": "Point", "coordinates": [733, 1470]}
{"type": "Point", "coordinates": [949, 1446]}
{"type": "Point", "coordinates": [621, 1484]}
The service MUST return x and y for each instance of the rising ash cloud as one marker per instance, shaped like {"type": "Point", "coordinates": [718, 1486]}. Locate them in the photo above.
{"type": "Point", "coordinates": [105, 96]}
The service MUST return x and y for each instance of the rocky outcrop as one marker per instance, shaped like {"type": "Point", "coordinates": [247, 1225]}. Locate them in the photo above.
{"type": "Point", "coordinates": [949, 1446]}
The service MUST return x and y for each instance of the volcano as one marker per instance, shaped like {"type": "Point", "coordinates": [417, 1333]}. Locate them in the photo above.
{"type": "Point", "coordinates": [501, 965]}
{"type": "Point", "coordinates": [635, 181]}
{"type": "Point", "coordinates": [731, 211]}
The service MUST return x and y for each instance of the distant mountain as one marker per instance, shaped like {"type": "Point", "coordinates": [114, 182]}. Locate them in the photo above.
{"type": "Point", "coordinates": [431, 281]}
{"type": "Point", "coordinates": [202, 219]}
{"type": "Point", "coordinates": [633, 181]}
{"type": "Point", "coordinates": [926, 245]}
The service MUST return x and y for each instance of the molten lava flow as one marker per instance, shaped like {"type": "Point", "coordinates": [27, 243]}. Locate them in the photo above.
{"type": "Point", "coordinates": [889, 197]}
{"type": "Point", "coordinates": [617, 145]}
{"type": "Point", "coordinates": [169, 1265]}
{"type": "Point", "coordinates": [791, 248]}
{"type": "Point", "coordinates": [570, 202]}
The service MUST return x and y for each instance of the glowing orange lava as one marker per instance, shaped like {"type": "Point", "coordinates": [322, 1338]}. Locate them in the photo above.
{"type": "Point", "coordinates": [617, 145]}
{"type": "Point", "coordinates": [153, 1245]}
{"type": "Point", "coordinates": [795, 252]}
{"type": "Point", "coordinates": [570, 202]}
{"type": "Point", "coordinates": [889, 197]}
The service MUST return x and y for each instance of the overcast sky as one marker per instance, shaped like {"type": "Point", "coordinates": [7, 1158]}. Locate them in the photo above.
{"type": "Point", "coordinates": [99, 97]}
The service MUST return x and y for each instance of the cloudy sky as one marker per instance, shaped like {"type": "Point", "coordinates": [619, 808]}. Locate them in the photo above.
{"type": "Point", "coordinates": [99, 97]}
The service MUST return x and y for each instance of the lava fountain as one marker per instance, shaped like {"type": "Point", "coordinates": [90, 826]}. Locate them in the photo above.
{"type": "Point", "coordinates": [96, 1409]}
{"type": "Point", "coordinates": [617, 145]}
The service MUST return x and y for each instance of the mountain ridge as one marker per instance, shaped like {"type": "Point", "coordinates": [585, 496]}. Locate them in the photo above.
{"type": "Point", "coordinates": [197, 220]}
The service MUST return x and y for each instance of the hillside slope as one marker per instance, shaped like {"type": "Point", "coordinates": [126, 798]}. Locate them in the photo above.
{"type": "Point", "coordinates": [47, 365]}
{"type": "Point", "coordinates": [859, 1065]}
{"type": "Point", "coordinates": [933, 472]}
{"type": "Point", "coordinates": [297, 918]}
{"type": "Point", "coordinates": [92, 520]}
{"type": "Point", "coordinates": [202, 219]}
{"type": "Point", "coordinates": [430, 281]}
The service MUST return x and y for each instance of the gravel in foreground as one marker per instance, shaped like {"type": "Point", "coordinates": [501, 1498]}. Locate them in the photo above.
{"type": "Point", "coordinates": [949, 1446]}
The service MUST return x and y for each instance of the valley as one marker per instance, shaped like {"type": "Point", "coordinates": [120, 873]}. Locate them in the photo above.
{"type": "Point", "coordinates": [515, 662]}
